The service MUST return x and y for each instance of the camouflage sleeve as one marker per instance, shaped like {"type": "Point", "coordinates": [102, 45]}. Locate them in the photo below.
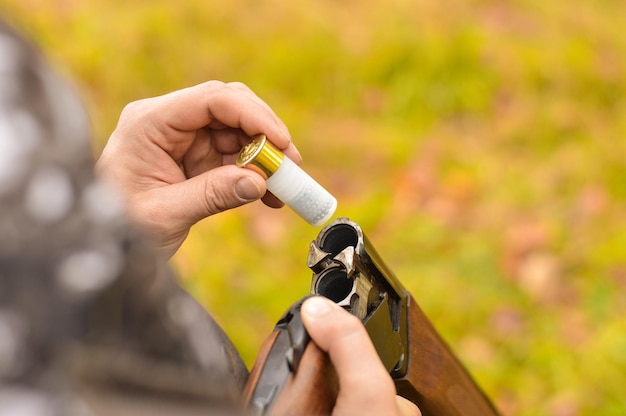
{"type": "Point", "coordinates": [91, 321]}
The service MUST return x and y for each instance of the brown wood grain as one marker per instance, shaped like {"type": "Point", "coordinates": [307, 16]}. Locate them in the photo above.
{"type": "Point", "coordinates": [311, 391]}
{"type": "Point", "coordinates": [436, 380]}
{"type": "Point", "coordinates": [257, 368]}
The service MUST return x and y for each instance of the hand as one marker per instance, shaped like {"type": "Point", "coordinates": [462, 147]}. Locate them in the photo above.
{"type": "Point", "coordinates": [173, 157]}
{"type": "Point", "coordinates": [365, 386]}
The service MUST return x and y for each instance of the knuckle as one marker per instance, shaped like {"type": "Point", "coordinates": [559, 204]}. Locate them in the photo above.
{"type": "Point", "coordinates": [216, 198]}
{"type": "Point", "coordinates": [133, 108]}
{"type": "Point", "coordinates": [237, 85]}
{"type": "Point", "coordinates": [213, 85]}
{"type": "Point", "coordinates": [136, 113]}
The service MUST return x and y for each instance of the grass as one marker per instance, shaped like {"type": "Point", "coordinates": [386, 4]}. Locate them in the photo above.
{"type": "Point", "coordinates": [480, 145]}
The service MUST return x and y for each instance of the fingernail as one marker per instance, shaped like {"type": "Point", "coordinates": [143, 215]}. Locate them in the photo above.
{"type": "Point", "coordinates": [317, 306]}
{"type": "Point", "coordinates": [283, 129]}
{"type": "Point", "coordinates": [247, 189]}
{"type": "Point", "coordinates": [294, 149]}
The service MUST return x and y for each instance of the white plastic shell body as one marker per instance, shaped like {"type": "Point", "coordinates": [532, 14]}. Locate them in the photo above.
{"type": "Point", "coordinates": [303, 194]}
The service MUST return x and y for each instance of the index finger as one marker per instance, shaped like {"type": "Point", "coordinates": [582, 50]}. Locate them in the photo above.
{"type": "Point", "coordinates": [220, 104]}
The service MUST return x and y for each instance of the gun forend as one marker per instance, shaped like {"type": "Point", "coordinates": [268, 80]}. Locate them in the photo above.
{"type": "Point", "coordinates": [291, 375]}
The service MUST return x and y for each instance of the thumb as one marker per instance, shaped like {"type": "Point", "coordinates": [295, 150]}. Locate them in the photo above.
{"type": "Point", "coordinates": [221, 189]}
{"type": "Point", "coordinates": [212, 192]}
{"type": "Point", "coordinates": [167, 213]}
{"type": "Point", "coordinates": [365, 386]}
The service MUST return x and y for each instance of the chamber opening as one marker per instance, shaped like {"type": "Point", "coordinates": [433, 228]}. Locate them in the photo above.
{"type": "Point", "coordinates": [334, 284]}
{"type": "Point", "coordinates": [338, 238]}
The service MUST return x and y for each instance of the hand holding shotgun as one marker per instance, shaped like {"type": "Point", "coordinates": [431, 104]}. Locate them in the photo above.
{"type": "Point", "coordinates": [292, 376]}
{"type": "Point", "coordinates": [365, 386]}
{"type": "Point", "coordinates": [340, 338]}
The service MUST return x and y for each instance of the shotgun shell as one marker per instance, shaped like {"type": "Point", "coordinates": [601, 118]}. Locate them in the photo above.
{"type": "Point", "coordinates": [287, 181]}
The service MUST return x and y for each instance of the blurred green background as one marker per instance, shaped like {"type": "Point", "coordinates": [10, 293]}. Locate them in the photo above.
{"type": "Point", "coordinates": [480, 144]}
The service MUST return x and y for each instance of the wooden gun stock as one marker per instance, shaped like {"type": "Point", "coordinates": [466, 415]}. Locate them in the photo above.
{"type": "Point", "coordinates": [311, 391]}
{"type": "Point", "coordinates": [291, 375]}
{"type": "Point", "coordinates": [435, 380]}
